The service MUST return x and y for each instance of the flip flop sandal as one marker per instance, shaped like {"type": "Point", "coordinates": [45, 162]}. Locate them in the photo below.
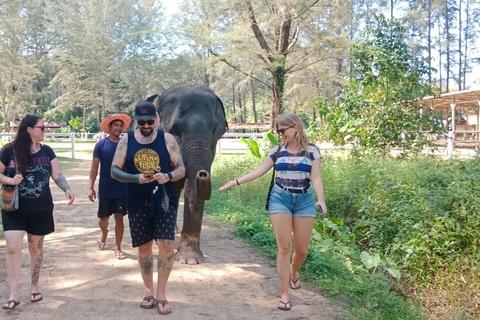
{"type": "Point", "coordinates": [148, 299]}
{"type": "Point", "coordinates": [163, 303]}
{"type": "Point", "coordinates": [101, 245]}
{"type": "Point", "coordinates": [285, 308]}
{"type": "Point", "coordinates": [294, 286]}
{"type": "Point", "coordinates": [120, 255]}
{"type": "Point", "coordinates": [9, 302]}
{"type": "Point", "coordinates": [33, 297]}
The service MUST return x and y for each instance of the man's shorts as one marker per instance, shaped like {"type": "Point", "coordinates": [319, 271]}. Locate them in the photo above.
{"type": "Point", "coordinates": [36, 223]}
{"type": "Point", "coordinates": [107, 207]}
{"type": "Point", "coordinates": [144, 228]}
{"type": "Point", "coordinates": [296, 204]}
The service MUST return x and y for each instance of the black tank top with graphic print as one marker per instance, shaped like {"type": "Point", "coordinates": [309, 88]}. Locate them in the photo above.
{"type": "Point", "coordinates": [142, 157]}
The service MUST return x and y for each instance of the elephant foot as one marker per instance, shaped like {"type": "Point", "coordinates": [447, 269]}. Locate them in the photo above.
{"type": "Point", "coordinates": [189, 256]}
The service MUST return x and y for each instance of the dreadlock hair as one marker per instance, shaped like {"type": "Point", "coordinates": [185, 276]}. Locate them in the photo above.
{"type": "Point", "coordinates": [291, 119]}
{"type": "Point", "coordinates": [22, 144]}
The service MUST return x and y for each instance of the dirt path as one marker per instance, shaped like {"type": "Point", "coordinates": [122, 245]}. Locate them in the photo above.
{"type": "Point", "coordinates": [80, 282]}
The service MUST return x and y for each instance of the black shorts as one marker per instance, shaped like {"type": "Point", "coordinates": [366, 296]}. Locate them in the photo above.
{"type": "Point", "coordinates": [144, 228]}
{"type": "Point", "coordinates": [36, 223]}
{"type": "Point", "coordinates": [107, 207]}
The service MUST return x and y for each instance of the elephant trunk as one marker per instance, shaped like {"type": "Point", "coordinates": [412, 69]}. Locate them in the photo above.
{"type": "Point", "coordinates": [203, 185]}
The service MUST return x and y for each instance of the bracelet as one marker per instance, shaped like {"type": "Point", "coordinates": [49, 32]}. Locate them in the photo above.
{"type": "Point", "coordinates": [238, 183]}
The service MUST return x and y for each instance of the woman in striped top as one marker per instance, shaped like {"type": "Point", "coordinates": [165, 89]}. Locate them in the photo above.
{"type": "Point", "coordinates": [292, 205]}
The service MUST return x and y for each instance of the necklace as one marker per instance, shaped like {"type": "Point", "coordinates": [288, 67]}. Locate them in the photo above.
{"type": "Point", "coordinates": [35, 148]}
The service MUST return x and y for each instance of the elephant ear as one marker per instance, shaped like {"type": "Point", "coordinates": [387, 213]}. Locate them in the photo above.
{"type": "Point", "coordinates": [152, 98]}
{"type": "Point", "coordinates": [222, 126]}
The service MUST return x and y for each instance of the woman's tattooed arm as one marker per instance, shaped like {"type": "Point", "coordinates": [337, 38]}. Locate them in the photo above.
{"type": "Point", "coordinates": [62, 182]}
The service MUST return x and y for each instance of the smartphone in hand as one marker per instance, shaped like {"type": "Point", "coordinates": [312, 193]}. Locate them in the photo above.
{"type": "Point", "coordinates": [319, 208]}
{"type": "Point", "coordinates": [148, 174]}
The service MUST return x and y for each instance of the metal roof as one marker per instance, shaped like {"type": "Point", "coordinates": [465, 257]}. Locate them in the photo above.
{"type": "Point", "coordinates": [466, 98]}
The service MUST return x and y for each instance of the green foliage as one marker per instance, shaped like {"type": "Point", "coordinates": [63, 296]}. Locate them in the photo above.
{"type": "Point", "coordinates": [66, 129]}
{"type": "Point", "coordinates": [75, 123]}
{"type": "Point", "coordinates": [258, 150]}
{"type": "Point", "coordinates": [423, 214]}
{"type": "Point", "coordinates": [373, 109]}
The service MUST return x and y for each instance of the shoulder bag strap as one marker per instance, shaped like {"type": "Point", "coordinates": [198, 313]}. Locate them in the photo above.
{"type": "Point", "coordinates": [273, 173]}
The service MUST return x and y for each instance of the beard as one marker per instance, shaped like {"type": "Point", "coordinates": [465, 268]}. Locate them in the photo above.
{"type": "Point", "coordinates": [146, 132]}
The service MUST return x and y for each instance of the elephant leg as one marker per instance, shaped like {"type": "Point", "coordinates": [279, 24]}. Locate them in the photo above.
{"type": "Point", "coordinates": [189, 248]}
{"type": "Point", "coordinates": [178, 187]}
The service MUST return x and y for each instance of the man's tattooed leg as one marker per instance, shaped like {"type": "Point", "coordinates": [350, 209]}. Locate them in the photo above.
{"type": "Point", "coordinates": [146, 264]}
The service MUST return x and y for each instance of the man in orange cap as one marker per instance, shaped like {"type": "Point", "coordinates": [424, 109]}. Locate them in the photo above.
{"type": "Point", "coordinates": [111, 192]}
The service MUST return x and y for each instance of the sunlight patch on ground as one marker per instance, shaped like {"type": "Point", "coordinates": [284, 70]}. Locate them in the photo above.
{"type": "Point", "coordinates": [220, 271]}
{"type": "Point", "coordinates": [78, 178]}
{"type": "Point", "coordinates": [69, 283]}
{"type": "Point", "coordinates": [77, 201]}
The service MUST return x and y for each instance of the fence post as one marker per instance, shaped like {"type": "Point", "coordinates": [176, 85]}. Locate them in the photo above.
{"type": "Point", "coordinates": [450, 144]}
{"type": "Point", "coordinates": [72, 138]}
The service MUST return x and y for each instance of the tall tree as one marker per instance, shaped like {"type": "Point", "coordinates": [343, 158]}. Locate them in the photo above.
{"type": "Point", "coordinates": [373, 107]}
{"type": "Point", "coordinates": [18, 70]}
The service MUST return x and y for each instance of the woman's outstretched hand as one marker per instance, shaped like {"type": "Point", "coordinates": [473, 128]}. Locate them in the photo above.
{"type": "Point", "coordinates": [228, 185]}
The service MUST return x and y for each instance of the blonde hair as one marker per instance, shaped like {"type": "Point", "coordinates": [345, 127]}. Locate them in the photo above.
{"type": "Point", "coordinates": [291, 119]}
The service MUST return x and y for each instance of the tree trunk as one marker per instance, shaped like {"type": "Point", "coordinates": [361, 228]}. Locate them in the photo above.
{"type": "Point", "coordinates": [460, 46]}
{"type": "Point", "coordinates": [4, 115]}
{"type": "Point", "coordinates": [440, 56]}
{"type": "Point", "coordinates": [233, 100]}
{"type": "Point", "coordinates": [447, 30]}
{"type": "Point", "coordinates": [254, 108]}
{"type": "Point", "coordinates": [465, 39]}
{"type": "Point", "coordinates": [277, 93]}
{"type": "Point", "coordinates": [429, 39]}
{"type": "Point", "coordinates": [103, 103]}
{"type": "Point", "coordinates": [240, 106]}
{"type": "Point", "coordinates": [84, 116]}
{"type": "Point", "coordinates": [391, 9]}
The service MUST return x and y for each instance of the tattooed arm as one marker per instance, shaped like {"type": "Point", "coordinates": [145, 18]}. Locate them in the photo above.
{"type": "Point", "coordinates": [61, 181]}
{"type": "Point", "coordinates": [175, 158]}
{"type": "Point", "coordinates": [118, 164]}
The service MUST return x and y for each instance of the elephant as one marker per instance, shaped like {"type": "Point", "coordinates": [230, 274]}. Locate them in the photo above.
{"type": "Point", "coordinates": [195, 116]}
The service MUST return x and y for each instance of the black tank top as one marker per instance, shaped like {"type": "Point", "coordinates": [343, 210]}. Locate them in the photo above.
{"type": "Point", "coordinates": [141, 157]}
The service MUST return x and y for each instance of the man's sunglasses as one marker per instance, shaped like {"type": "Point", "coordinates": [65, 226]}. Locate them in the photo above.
{"type": "Point", "coordinates": [143, 122]}
{"type": "Point", "coordinates": [40, 127]}
{"type": "Point", "coordinates": [282, 131]}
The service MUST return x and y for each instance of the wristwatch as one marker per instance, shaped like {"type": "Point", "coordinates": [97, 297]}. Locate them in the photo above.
{"type": "Point", "coordinates": [170, 176]}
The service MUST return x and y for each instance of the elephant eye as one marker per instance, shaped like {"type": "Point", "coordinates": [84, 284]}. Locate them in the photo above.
{"type": "Point", "coordinates": [175, 132]}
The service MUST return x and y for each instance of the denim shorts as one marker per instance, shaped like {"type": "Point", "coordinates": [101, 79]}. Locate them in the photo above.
{"type": "Point", "coordinates": [296, 204]}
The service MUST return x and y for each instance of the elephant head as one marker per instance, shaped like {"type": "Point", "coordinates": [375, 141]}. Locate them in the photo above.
{"type": "Point", "coordinates": [195, 116]}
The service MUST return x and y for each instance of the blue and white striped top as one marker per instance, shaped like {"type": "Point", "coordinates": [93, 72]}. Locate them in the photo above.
{"type": "Point", "coordinates": [293, 169]}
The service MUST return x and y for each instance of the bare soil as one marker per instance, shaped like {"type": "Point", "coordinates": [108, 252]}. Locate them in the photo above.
{"type": "Point", "coordinates": [78, 281]}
